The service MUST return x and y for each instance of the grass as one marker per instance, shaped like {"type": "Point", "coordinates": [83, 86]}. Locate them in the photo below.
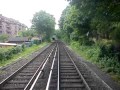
{"type": "Point", "coordinates": [5, 48]}
{"type": "Point", "coordinates": [91, 53]}
{"type": "Point", "coordinates": [24, 54]}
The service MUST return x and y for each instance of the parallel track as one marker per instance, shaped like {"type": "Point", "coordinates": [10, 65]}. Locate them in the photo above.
{"type": "Point", "coordinates": [38, 82]}
{"type": "Point", "coordinates": [59, 70]}
{"type": "Point", "coordinates": [69, 74]}
{"type": "Point", "coordinates": [20, 79]}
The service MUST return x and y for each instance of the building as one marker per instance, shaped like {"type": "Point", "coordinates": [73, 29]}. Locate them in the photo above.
{"type": "Point", "coordinates": [10, 26]}
{"type": "Point", "coordinates": [18, 40]}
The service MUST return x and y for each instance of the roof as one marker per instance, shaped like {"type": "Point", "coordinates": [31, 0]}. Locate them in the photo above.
{"type": "Point", "coordinates": [8, 44]}
{"type": "Point", "coordinates": [20, 39]}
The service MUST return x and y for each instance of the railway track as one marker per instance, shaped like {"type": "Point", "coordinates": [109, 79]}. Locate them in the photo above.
{"type": "Point", "coordinates": [69, 74]}
{"type": "Point", "coordinates": [21, 79]}
{"type": "Point", "coordinates": [58, 69]}
{"type": "Point", "coordinates": [41, 82]}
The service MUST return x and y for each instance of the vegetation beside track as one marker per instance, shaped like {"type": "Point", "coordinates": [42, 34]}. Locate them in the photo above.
{"type": "Point", "coordinates": [93, 30]}
{"type": "Point", "coordinates": [20, 54]}
{"type": "Point", "coordinates": [92, 53]}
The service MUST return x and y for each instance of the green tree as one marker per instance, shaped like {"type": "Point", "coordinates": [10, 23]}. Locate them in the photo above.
{"type": "Point", "coordinates": [58, 34]}
{"type": "Point", "coordinates": [44, 23]}
{"type": "Point", "coordinates": [64, 27]}
{"type": "Point", "coordinates": [28, 33]}
{"type": "Point", "coordinates": [91, 19]}
{"type": "Point", "coordinates": [74, 23]}
{"type": "Point", "coordinates": [103, 15]}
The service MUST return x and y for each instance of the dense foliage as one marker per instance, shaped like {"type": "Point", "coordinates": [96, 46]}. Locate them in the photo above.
{"type": "Point", "coordinates": [9, 55]}
{"type": "Point", "coordinates": [98, 19]}
{"type": "Point", "coordinates": [108, 64]}
{"type": "Point", "coordinates": [44, 23]}
{"type": "Point", "coordinates": [6, 54]}
{"type": "Point", "coordinates": [28, 33]}
{"type": "Point", "coordinates": [92, 23]}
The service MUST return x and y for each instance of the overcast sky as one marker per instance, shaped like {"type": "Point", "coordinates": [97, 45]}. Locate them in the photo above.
{"type": "Point", "coordinates": [23, 10]}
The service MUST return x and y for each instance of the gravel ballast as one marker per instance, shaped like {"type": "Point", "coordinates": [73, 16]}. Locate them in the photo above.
{"type": "Point", "coordinates": [99, 73]}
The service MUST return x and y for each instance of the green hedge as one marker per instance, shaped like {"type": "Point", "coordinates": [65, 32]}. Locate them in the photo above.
{"type": "Point", "coordinates": [7, 54]}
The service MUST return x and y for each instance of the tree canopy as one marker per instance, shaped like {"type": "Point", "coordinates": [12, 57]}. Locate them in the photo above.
{"type": "Point", "coordinates": [28, 33]}
{"type": "Point", "coordinates": [44, 23]}
{"type": "Point", "coordinates": [85, 19]}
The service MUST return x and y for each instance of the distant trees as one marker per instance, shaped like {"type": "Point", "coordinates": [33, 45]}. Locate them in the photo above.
{"type": "Point", "coordinates": [28, 33]}
{"type": "Point", "coordinates": [44, 24]}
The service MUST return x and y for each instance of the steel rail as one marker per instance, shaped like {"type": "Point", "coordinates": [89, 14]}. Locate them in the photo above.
{"type": "Point", "coordinates": [51, 70]}
{"type": "Point", "coordinates": [87, 86]}
{"type": "Point", "coordinates": [21, 68]}
{"type": "Point", "coordinates": [38, 75]}
{"type": "Point", "coordinates": [58, 82]}
{"type": "Point", "coordinates": [40, 69]}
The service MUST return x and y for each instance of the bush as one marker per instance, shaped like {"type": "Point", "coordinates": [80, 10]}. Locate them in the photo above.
{"type": "Point", "coordinates": [106, 51]}
{"type": "Point", "coordinates": [2, 55]}
{"type": "Point", "coordinates": [110, 65]}
{"type": "Point", "coordinates": [84, 40]}
{"type": "Point", "coordinates": [7, 54]}
{"type": "Point", "coordinates": [106, 56]}
{"type": "Point", "coordinates": [36, 42]}
{"type": "Point", "coordinates": [23, 47]}
{"type": "Point", "coordinates": [109, 51]}
{"type": "Point", "coordinates": [90, 52]}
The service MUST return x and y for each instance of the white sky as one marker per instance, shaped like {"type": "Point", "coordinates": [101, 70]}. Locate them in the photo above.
{"type": "Point", "coordinates": [23, 10]}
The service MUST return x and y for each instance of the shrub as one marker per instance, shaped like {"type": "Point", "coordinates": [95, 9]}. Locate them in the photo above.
{"type": "Point", "coordinates": [109, 50]}
{"type": "Point", "coordinates": [7, 54]}
{"type": "Point", "coordinates": [2, 55]}
{"type": "Point", "coordinates": [36, 42]}
{"type": "Point", "coordinates": [84, 40]}
{"type": "Point", "coordinates": [106, 51]}
{"type": "Point", "coordinates": [110, 64]}
{"type": "Point", "coordinates": [104, 56]}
